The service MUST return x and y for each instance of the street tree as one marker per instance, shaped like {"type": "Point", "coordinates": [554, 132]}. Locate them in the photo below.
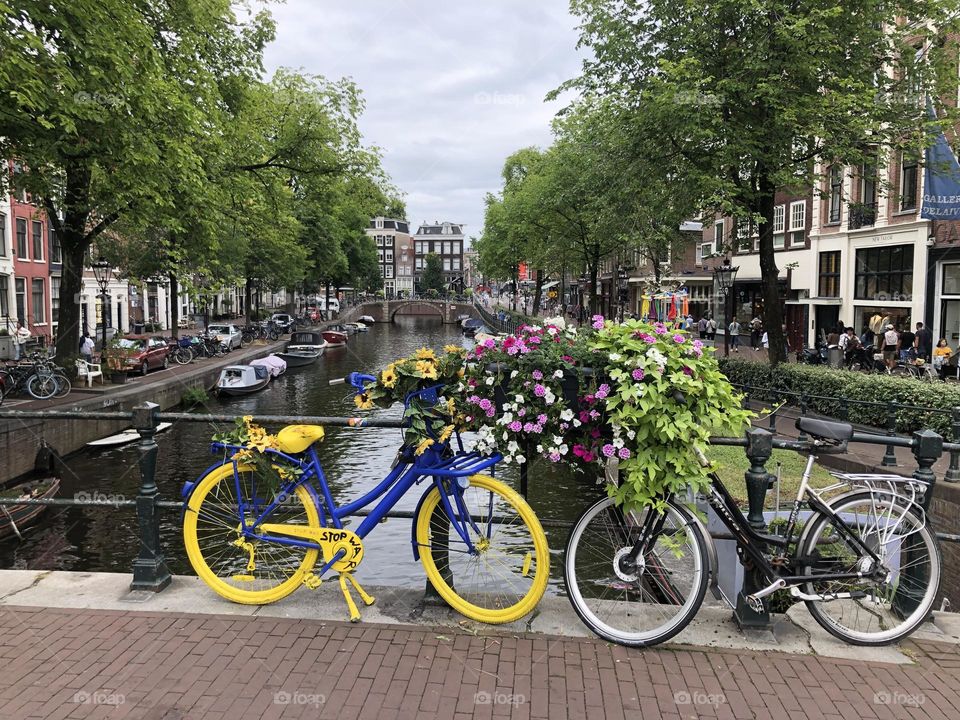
{"type": "Point", "coordinates": [432, 277]}
{"type": "Point", "coordinates": [748, 97]}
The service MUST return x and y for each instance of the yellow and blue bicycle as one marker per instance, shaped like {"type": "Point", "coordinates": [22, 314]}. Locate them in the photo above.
{"type": "Point", "coordinates": [255, 542]}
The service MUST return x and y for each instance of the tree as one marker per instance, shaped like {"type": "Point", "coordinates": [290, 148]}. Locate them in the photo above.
{"type": "Point", "coordinates": [748, 97]}
{"type": "Point", "coordinates": [104, 101]}
{"type": "Point", "coordinates": [432, 277]}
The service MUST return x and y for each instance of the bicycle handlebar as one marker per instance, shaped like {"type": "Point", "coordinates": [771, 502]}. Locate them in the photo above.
{"type": "Point", "coordinates": [357, 380]}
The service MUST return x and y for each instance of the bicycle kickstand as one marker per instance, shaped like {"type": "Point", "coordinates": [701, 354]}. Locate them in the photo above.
{"type": "Point", "coordinates": [351, 606]}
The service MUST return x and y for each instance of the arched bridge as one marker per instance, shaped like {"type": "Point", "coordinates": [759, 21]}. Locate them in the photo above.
{"type": "Point", "coordinates": [387, 310]}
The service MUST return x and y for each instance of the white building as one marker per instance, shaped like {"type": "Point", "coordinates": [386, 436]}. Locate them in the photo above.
{"type": "Point", "coordinates": [8, 300]}
{"type": "Point", "coordinates": [389, 234]}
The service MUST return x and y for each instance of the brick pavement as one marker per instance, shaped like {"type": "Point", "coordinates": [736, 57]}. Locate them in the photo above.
{"type": "Point", "coordinates": [65, 664]}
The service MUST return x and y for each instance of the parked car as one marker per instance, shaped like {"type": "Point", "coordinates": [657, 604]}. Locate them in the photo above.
{"type": "Point", "coordinates": [282, 321]}
{"type": "Point", "coordinates": [229, 335]}
{"type": "Point", "coordinates": [142, 354]}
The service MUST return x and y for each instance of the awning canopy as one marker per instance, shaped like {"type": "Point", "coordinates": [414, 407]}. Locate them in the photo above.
{"type": "Point", "coordinates": [548, 285]}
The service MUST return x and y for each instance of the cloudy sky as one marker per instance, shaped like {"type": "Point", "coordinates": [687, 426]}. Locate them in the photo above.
{"type": "Point", "coordinates": [451, 88]}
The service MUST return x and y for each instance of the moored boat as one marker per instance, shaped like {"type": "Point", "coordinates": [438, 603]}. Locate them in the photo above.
{"type": "Point", "coordinates": [367, 320]}
{"type": "Point", "coordinates": [470, 326]}
{"type": "Point", "coordinates": [122, 438]}
{"type": "Point", "coordinates": [355, 327]}
{"type": "Point", "coordinates": [242, 379]}
{"type": "Point", "coordinates": [14, 519]}
{"type": "Point", "coordinates": [334, 338]}
{"type": "Point", "coordinates": [303, 349]}
{"type": "Point", "coordinates": [276, 366]}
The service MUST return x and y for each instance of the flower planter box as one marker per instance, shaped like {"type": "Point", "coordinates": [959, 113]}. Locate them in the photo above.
{"type": "Point", "coordinates": [118, 377]}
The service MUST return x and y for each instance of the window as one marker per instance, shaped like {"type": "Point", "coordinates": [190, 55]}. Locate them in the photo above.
{"type": "Point", "coordinates": [908, 182]}
{"type": "Point", "coordinates": [3, 236]}
{"type": "Point", "coordinates": [388, 241]}
{"type": "Point", "coordinates": [36, 298]}
{"type": "Point", "coordinates": [380, 255]}
{"type": "Point", "coordinates": [446, 264]}
{"type": "Point", "coordinates": [419, 263]}
{"type": "Point", "coordinates": [743, 234]}
{"type": "Point", "coordinates": [21, 239]}
{"type": "Point", "coordinates": [829, 285]}
{"type": "Point", "coordinates": [779, 213]}
{"type": "Point", "coordinates": [951, 279]}
{"type": "Point", "coordinates": [54, 299]}
{"type": "Point", "coordinates": [383, 271]}
{"type": "Point", "coordinates": [37, 240]}
{"type": "Point", "coordinates": [836, 193]}
{"type": "Point", "coordinates": [864, 212]}
{"type": "Point", "coordinates": [456, 263]}
{"type": "Point", "coordinates": [389, 269]}
{"type": "Point", "coordinates": [378, 223]}
{"type": "Point", "coordinates": [21, 285]}
{"type": "Point", "coordinates": [704, 250]}
{"type": "Point", "coordinates": [798, 221]}
{"type": "Point", "coordinates": [389, 256]}
{"type": "Point", "coordinates": [379, 239]}
{"type": "Point", "coordinates": [56, 252]}
{"type": "Point", "coordinates": [885, 273]}
{"type": "Point", "coordinates": [455, 248]}
{"type": "Point", "coordinates": [4, 289]}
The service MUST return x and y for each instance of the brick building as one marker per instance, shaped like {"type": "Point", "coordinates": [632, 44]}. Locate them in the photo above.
{"type": "Point", "coordinates": [444, 239]}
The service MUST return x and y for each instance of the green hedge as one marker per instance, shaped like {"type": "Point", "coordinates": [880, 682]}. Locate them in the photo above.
{"type": "Point", "coordinates": [837, 393]}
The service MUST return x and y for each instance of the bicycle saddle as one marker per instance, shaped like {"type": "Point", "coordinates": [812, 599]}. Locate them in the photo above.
{"type": "Point", "coordinates": [295, 439]}
{"type": "Point", "coordinates": [825, 430]}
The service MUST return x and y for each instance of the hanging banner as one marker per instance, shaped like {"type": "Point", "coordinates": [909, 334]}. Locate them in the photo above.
{"type": "Point", "coordinates": [941, 180]}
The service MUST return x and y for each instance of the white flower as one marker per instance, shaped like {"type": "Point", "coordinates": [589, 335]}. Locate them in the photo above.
{"type": "Point", "coordinates": [506, 419]}
{"type": "Point", "coordinates": [505, 435]}
{"type": "Point", "coordinates": [563, 449]}
{"type": "Point", "coordinates": [557, 321]}
{"type": "Point", "coordinates": [521, 459]}
{"type": "Point", "coordinates": [567, 415]}
{"type": "Point", "coordinates": [489, 380]}
{"type": "Point", "coordinates": [512, 447]}
{"type": "Point", "coordinates": [519, 399]}
{"type": "Point", "coordinates": [557, 440]}
{"type": "Point", "coordinates": [539, 448]}
{"type": "Point", "coordinates": [615, 357]}
{"type": "Point", "coordinates": [577, 423]}
{"type": "Point", "coordinates": [558, 373]}
{"type": "Point", "coordinates": [514, 373]}
{"type": "Point", "coordinates": [618, 442]}
{"type": "Point", "coordinates": [506, 459]}
{"type": "Point", "coordinates": [549, 398]}
{"type": "Point", "coordinates": [631, 434]}
{"type": "Point", "coordinates": [551, 331]}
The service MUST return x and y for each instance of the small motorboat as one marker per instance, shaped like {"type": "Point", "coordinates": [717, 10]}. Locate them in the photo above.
{"type": "Point", "coordinates": [276, 366]}
{"type": "Point", "coordinates": [367, 320]}
{"type": "Point", "coordinates": [334, 337]}
{"type": "Point", "coordinates": [303, 349]}
{"type": "Point", "coordinates": [14, 519]}
{"type": "Point", "coordinates": [470, 326]}
{"type": "Point", "coordinates": [242, 379]}
{"type": "Point", "coordinates": [122, 438]}
{"type": "Point", "coordinates": [356, 327]}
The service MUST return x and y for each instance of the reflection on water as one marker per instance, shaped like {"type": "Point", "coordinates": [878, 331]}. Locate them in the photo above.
{"type": "Point", "coordinates": [353, 459]}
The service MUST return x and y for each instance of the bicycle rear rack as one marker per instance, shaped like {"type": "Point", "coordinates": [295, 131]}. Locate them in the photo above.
{"type": "Point", "coordinates": [463, 465]}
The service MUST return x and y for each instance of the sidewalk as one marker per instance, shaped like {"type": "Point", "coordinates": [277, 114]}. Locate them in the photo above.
{"type": "Point", "coordinates": [109, 664]}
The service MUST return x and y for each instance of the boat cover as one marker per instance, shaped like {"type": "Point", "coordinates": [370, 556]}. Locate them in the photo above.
{"type": "Point", "coordinates": [273, 364]}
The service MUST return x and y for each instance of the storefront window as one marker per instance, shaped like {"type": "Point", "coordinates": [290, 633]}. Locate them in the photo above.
{"type": "Point", "coordinates": [951, 279]}
{"type": "Point", "coordinates": [829, 285]}
{"type": "Point", "coordinates": [878, 317]}
{"type": "Point", "coordinates": [885, 273]}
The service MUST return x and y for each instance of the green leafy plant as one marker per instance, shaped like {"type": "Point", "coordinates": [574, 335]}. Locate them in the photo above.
{"type": "Point", "coordinates": [194, 396]}
{"type": "Point", "coordinates": [254, 442]}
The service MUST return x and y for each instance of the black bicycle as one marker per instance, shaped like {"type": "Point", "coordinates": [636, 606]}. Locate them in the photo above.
{"type": "Point", "coordinates": [865, 560]}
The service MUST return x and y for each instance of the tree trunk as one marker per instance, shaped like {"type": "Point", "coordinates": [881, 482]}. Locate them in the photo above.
{"type": "Point", "coordinates": [291, 305]}
{"type": "Point", "coordinates": [68, 327]}
{"type": "Point", "coordinates": [247, 299]}
{"type": "Point", "coordinates": [326, 306]}
{"type": "Point", "coordinates": [174, 306]}
{"type": "Point", "coordinates": [516, 286]}
{"type": "Point", "coordinates": [538, 292]}
{"type": "Point", "coordinates": [772, 302]}
{"type": "Point", "coordinates": [593, 300]}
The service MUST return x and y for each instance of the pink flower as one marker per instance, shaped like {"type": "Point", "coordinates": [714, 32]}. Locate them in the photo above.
{"type": "Point", "coordinates": [609, 450]}
{"type": "Point", "coordinates": [579, 450]}
{"type": "Point", "coordinates": [637, 374]}
{"type": "Point", "coordinates": [624, 453]}
{"type": "Point", "coordinates": [588, 457]}
{"type": "Point", "coordinates": [534, 340]}
{"type": "Point", "coordinates": [513, 350]}
{"type": "Point", "coordinates": [594, 415]}
{"type": "Point", "coordinates": [515, 426]}
{"type": "Point", "coordinates": [537, 375]}
{"type": "Point", "coordinates": [647, 337]}
{"type": "Point", "coordinates": [598, 324]}
{"type": "Point", "coordinates": [489, 343]}
{"type": "Point", "coordinates": [542, 419]}
{"type": "Point", "coordinates": [521, 412]}
{"type": "Point", "coordinates": [486, 405]}
{"type": "Point", "coordinates": [491, 412]}
{"type": "Point", "coordinates": [679, 339]}
{"type": "Point", "coordinates": [659, 328]}
{"type": "Point", "coordinates": [528, 427]}
{"type": "Point", "coordinates": [539, 390]}
{"type": "Point", "coordinates": [603, 391]}
{"type": "Point", "coordinates": [538, 428]}
{"type": "Point", "coordinates": [566, 358]}
{"type": "Point", "coordinates": [687, 371]}
{"type": "Point", "coordinates": [469, 418]}
{"type": "Point", "coordinates": [554, 456]}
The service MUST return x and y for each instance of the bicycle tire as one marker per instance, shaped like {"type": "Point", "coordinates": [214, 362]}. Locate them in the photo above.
{"type": "Point", "coordinates": [925, 585]}
{"type": "Point", "coordinates": [41, 387]}
{"type": "Point", "coordinates": [246, 338]}
{"type": "Point", "coordinates": [273, 336]}
{"type": "Point", "coordinates": [222, 565]}
{"type": "Point", "coordinates": [493, 601]}
{"type": "Point", "coordinates": [63, 385]}
{"type": "Point", "coordinates": [614, 604]}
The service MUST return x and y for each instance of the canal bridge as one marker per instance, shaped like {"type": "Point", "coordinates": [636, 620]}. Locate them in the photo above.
{"type": "Point", "coordinates": [387, 310]}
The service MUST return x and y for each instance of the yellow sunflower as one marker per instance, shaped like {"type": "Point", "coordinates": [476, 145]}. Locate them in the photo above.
{"type": "Point", "coordinates": [242, 456]}
{"type": "Point", "coordinates": [389, 377]}
{"type": "Point", "coordinates": [362, 401]}
{"type": "Point", "coordinates": [427, 369]}
{"type": "Point", "coordinates": [261, 442]}
{"type": "Point", "coordinates": [422, 447]}
{"type": "Point", "coordinates": [446, 433]}
{"type": "Point", "coordinates": [425, 353]}
{"type": "Point", "coordinates": [455, 349]}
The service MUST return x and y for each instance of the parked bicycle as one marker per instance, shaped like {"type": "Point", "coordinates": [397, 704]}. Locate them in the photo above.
{"type": "Point", "coordinates": [260, 331]}
{"type": "Point", "coordinates": [39, 377]}
{"type": "Point", "coordinates": [181, 351]}
{"type": "Point", "coordinates": [480, 543]}
{"type": "Point", "coordinates": [866, 562]}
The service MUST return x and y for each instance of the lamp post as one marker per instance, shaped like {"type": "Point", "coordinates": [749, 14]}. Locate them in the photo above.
{"type": "Point", "coordinates": [621, 290]}
{"type": "Point", "coordinates": [103, 273]}
{"type": "Point", "coordinates": [725, 276]}
{"type": "Point", "coordinates": [583, 283]}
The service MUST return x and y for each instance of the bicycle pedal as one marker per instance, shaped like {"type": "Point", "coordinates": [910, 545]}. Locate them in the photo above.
{"type": "Point", "coordinates": [312, 581]}
{"type": "Point", "coordinates": [754, 603]}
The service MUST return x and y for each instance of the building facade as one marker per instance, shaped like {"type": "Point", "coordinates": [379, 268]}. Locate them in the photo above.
{"type": "Point", "coordinates": [8, 300]}
{"type": "Point", "coordinates": [388, 233]}
{"type": "Point", "coordinates": [471, 274]}
{"type": "Point", "coordinates": [404, 257]}
{"type": "Point", "coordinates": [444, 239]}
{"type": "Point", "coordinates": [31, 265]}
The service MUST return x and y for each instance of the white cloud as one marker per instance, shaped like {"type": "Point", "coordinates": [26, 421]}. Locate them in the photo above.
{"type": "Point", "coordinates": [450, 88]}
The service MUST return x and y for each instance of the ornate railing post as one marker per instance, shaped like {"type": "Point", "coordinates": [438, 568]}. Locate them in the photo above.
{"type": "Point", "coordinates": [759, 450]}
{"type": "Point", "coordinates": [150, 570]}
{"type": "Point", "coordinates": [889, 455]}
{"type": "Point", "coordinates": [953, 472]}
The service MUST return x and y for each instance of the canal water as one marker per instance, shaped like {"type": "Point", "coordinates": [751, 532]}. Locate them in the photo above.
{"type": "Point", "coordinates": [106, 539]}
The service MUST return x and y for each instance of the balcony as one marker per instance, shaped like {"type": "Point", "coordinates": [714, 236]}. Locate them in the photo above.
{"type": "Point", "coordinates": [862, 215]}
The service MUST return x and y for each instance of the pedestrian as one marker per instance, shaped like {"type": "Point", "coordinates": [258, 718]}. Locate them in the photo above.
{"type": "Point", "coordinates": [867, 337]}
{"type": "Point", "coordinates": [765, 341]}
{"type": "Point", "coordinates": [906, 345]}
{"type": "Point", "coordinates": [86, 348]}
{"type": "Point", "coordinates": [712, 329]}
{"type": "Point", "coordinates": [20, 338]}
{"type": "Point", "coordinates": [688, 323]}
{"type": "Point", "coordinates": [702, 325]}
{"type": "Point", "coordinates": [756, 326]}
{"type": "Point", "coordinates": [924, 341]}
{"type": "Point", "coordinates": [849, 344]}
{"type": "Point", "coordinates": [891, 342]}
{"type": "Point", "coordinates": [734, 330]}
{"type": "Point", "coordinates": [941, 357]}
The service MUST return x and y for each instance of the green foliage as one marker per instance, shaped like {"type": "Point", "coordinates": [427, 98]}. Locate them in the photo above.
{"type": "Point", "coordinates": [432, 277]}
{"type": "Point", "coordinates": [838, 393]}
{"type": "Point", "coordinates": [194, 396]}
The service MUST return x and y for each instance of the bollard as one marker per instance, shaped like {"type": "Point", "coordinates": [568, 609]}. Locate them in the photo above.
{"type": "Point", "coordinates": [150, 570]}
{"type": "Point", "coordinates": [759, 450]}
{"type": "Point", "coordinates": [927, 447]}
{"type": "Point", "coordinates": [802, 437]}
{"type": "Point", "coordinates": [889, 455]}
{"type": "Point", "coordinates": [844, 413]}
{"type": "Point", "coordinates": [953, 472]}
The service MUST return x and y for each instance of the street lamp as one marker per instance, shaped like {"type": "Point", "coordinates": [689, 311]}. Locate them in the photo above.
{"type": "Point", "coordinates": [583, 283]}
{"type": "Point", "coordinates": [103, 273]}
{"type": "Point", "coordinates": [726, 277]}
{"type": "Point", "coordinates": [621, 290]}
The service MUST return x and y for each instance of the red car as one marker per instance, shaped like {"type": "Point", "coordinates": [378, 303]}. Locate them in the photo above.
{"type": "Point", "coordinates": [142, 353]}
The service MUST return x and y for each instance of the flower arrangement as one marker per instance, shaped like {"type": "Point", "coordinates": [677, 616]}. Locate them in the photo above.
{"type": "Point", "coordinates": [432, 414]}
{"type": "Point", "coordinates": [255, 441]}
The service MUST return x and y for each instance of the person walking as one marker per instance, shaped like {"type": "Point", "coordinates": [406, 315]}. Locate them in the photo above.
{"type": "Point", "coordinates": [755, 329]}
{"type": "Point", "coordinates": [734, 330]}
{"type": "Point", "coordinates": [702, 326]}
{"type": "Point", "coordinates": [891, 342]}
{"type": "Point", "coordinates": [688, 323]}
{"type": "Point", "coordinates": [924, 341]}
{"type": "Point", "coordinates": [86, 348]}
{"type": "Point", "coordinates": [906, 345]}
{"type": "Point", "coordinates": [712, 330]}
{"type": "Point", "coordinates": [20, 338]}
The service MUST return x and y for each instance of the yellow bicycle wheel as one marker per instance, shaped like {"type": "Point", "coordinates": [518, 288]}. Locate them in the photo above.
{"type": "Point", "coordinates": [252, 572]}
{"type": "Point", "coordinates": [506, 575]}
